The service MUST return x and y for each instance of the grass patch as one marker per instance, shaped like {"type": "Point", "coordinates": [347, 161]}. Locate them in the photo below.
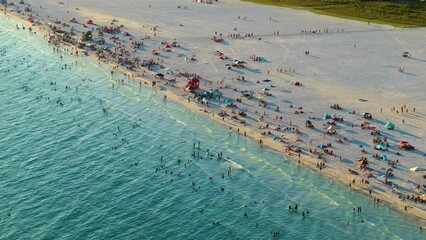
{"type": "Point", "coordinates": [408, 13]}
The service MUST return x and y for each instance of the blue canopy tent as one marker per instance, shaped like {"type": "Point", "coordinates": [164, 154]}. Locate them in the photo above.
{"type": "Point", "coordinates": [326, 116]}
{"type": "Point", "coordinates": [390, 126]}
{"type": "Point", "coordinates": [380, 146]}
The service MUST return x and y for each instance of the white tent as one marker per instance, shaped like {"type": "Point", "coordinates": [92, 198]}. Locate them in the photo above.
{"type": "Point", "coordinates": [417, 169]}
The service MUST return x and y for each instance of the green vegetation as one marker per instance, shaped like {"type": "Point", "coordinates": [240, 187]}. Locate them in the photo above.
{"type": "Point", "coordinates": [408, 13]}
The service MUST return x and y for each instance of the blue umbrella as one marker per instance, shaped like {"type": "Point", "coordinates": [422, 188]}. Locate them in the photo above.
{"type": "Point", "coordinates": [266, 80]}
{"type": "Point", "coordinates": [322, 146]}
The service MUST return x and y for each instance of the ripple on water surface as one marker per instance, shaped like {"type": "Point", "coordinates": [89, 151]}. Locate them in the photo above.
{"type": "Point", "coordinates": [68, 170]}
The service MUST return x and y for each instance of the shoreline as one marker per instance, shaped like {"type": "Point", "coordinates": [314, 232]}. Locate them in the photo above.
{"type": "Point", "coordinates": [331, 172]}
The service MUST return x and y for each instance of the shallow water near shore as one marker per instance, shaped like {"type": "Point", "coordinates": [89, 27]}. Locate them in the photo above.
{"type": "Point", "coordinates": [68, 170]}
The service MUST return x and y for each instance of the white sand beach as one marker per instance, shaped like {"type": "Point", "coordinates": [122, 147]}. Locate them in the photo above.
{"type": "Point", "coordinates": [357, 65]}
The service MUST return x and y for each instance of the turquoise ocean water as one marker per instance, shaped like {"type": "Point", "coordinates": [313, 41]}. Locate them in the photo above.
{"type": "Point", "coordinates": [70, 171]}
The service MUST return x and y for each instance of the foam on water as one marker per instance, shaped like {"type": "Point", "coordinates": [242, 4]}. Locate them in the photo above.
{"type": "Point", "coordinates": [73, 172]}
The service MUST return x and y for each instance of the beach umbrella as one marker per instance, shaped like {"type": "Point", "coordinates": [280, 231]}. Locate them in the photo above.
{"type": "Point", "coordinates": [384, 157]}
{"type": "Point", "coordinates": [265, 89]}
{"type": "Point", "coordinates": [403, 142]}
{"type": "Point", "coordinates": [89, 21]}
{"type": "Point", "coordinates": [389, 170]}
{"type": "Point", "coordinates": [308, 121]}
{"type": "Point", "coordinates": [266, 80]}
{"type": "Point", "coordinates": [330, 127]}
{"type": "Point", "coordinates": [322, 146]}
{"type": "Point", "coordinates": [417, 169]}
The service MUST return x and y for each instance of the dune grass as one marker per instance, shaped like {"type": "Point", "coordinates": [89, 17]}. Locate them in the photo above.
{"type": "Point", "coordinates": [408, 13]}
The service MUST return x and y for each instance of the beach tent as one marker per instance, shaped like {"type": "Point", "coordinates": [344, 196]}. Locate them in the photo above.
{"type": "Point", "coordinates": [367, 115]}
{"type": "Point", "coordinates": [381, 178]}
{"type": "Point", "coordinates": [247, 93]}
{"type": "Point", "coordinates": [384, 157]}
{"type": "Point", "coordinates": [265, 89]}
{"type": "Point", "coordinates": [380, 146]}
{"type": "Point", "coordinates": [417, 169]}
{"type": "Point", "coordinates": [308, 121]}
{"type": "Point", "coordinates": [238, 62]}
{"type": "Point", "coordinates": [326, 116]}
{"type": "Point", "coordinates": [390, 126]}
{"type": "Point", "coordinates": [261, 59]}
{"type": "Point", "coordinates": [322, 146]}
{"type": "Point", "coordinates": [159, 76]}
{"type": "Point", "coordinates": [89, 21]}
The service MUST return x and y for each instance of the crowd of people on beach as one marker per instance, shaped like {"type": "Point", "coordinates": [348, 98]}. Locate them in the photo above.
{"type": "Point", "coordinates": [125, 56]}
